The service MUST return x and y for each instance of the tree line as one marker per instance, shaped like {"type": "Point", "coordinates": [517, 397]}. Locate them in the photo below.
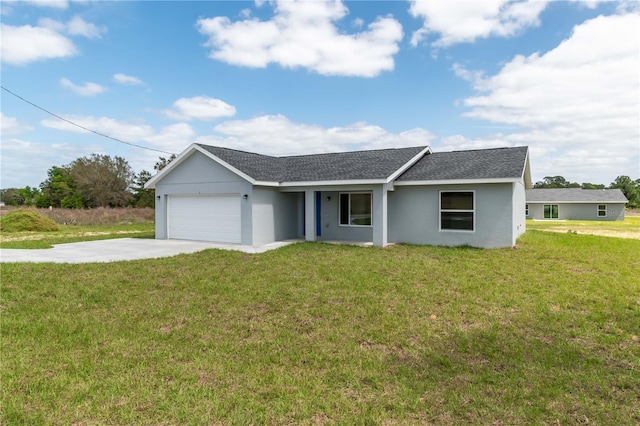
{"type": "Point", "coordinates": [630, 188]}
{"type": "Point", "coordinates": [89, 182]}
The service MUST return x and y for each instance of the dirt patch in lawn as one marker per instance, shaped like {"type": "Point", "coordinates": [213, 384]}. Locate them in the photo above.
{"type": "Point", "coordinates": [599, 232]}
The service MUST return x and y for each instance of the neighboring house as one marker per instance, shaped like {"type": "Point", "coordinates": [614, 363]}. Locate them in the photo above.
{"type": "Point", "coordinates": [405, 195]}
{"type": "Point", "coordinates": [575, 203]}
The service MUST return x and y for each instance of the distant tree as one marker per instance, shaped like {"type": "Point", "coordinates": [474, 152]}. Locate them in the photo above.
{"type": "Point", "coordinates": [630, 189]}
{"type": "Point", "coordinates": [102, 181]}
{"type": "Point", "coordinates": [59, 190]}
{"type": "Point", "coordinates": [11, 196]}
{"type": "Point", "coordinates": [29, 195]}
{"type": "Point", "coordinates": [163, 162]}
{"type": "Point", "coordinates": [142, 197]}
{"type": "Point", "coordinates": [555, 182]}
{"type": "Point", "coordinates": [587, 185]}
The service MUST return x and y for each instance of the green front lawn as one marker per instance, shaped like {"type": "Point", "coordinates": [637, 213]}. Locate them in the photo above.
{"type": "Point", "coordinates": [546, 333]}
{"type": "Point", "coordinates": [74, 234]}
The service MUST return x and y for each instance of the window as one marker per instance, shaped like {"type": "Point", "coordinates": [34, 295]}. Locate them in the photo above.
{"type": "Point", "coordinates": [526, 209]}
{"type": "Point", "coordinates": [550, 211]}
{"type": "Point", "coordinates": [457, 210]}
{"type": "Point", "coordinates": [355, 209]}
{"type": "Point", "coordinates": [602, 210]}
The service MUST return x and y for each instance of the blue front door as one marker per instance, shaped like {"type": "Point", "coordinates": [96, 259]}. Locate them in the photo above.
{"type": "Point", "coordinates": [318, 213]}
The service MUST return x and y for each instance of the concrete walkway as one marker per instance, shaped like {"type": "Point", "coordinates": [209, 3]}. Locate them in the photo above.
{"type": "Point", "coordinates": [122, 249]}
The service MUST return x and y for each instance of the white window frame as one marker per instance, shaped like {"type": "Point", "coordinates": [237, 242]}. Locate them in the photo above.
{"type": "Point", "coordinates": [440, 211]}
{"type": "Point", "coordinates": [526, 209]}
{"type": "Point", "coordinates": [370, 193]}
{"type": "Point", "coordinates": [602, 210]}
{"type": "Point", "coordinates": [550, 211]}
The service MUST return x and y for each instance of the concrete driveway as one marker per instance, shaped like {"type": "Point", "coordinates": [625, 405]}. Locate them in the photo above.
{"type": "Point", "coordinates": [122, 249]}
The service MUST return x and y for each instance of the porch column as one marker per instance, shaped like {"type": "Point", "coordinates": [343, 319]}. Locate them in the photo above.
{"type": "Point", "coordinates": [380, 216]}
{"type": "Point", "coordinates": [310, 215]}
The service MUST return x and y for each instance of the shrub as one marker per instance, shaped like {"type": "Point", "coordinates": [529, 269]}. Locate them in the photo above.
{"type": "Point", "coordinates": [27, 220]}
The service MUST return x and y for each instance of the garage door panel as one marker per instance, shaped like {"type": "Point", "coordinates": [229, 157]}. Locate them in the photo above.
{"type": "Point", "coordinates": [204, 218]}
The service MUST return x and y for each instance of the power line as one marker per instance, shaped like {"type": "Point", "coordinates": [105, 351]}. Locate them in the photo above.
{"type": "Point", "coordinates": [82, 127]}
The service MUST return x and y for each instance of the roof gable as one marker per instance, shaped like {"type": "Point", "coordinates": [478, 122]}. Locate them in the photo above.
{"type": "Point", "coordinates": [496, 163]}
{"type": "Point", "coordinates": [340, 166]}
{"type": "Point", "coordinates": [575, 195]}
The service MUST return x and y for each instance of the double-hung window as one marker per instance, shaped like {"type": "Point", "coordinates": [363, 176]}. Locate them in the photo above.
{"type": "Point", "coordinates": [602, 210]}
{"type": "Point", "coordinates": [457, 210]}
{"type": "Point", "coordinates": [355, 208]}
{"type": "Point", "coordinates": [526, 209]}
{"type": "Point", "coordinates": [550, 211]}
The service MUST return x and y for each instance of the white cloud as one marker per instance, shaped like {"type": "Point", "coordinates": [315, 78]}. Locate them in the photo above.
{"type": "Point", "coordinates": [26, 163]}
{"type": "Point", "coordinates": [464, 21]}
{"type": "Point", "coordinates": [579, 101]}
{"type": "Point", "coordinates": [277, 135]}
{"type": "Point", "coordinates": [303, 34]}
{"type": "Point", "coordinates": [78, 26]}
{"type": "Point", "coordinates": [25, 44]}
{"type": "Point", "coordinates": [87, 89]}
{"type": "Point", "coordinates": [132, 132]}
{"type": "Point", "coordinates": [200, 108]}
{"type": "Point", "coordinates": [127, 79]}
{"type": "Point", "coordinates": [10, 126]}
{"type": "Point", "coordinates": [55, 4]}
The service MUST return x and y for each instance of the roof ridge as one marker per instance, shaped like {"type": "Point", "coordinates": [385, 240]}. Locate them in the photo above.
{"type": "Point", "coordinates": [309, 155]}
{"type": "Point", "coordinates": [204, 145]}
{"type": "Point", "coordinates": [483, 149]}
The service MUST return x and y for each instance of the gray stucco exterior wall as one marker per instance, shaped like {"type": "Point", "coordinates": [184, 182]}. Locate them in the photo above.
{"type": "Point", "coordinates": [329, 219]}
{"type": "Point", "coordinates": [198, 174]}
{"type": "Point", "coordinates": [275, 215]}
{"type": "Point", "coordinates": [519, 219]}
{"type": "Point", "coordinates": [414, 214]}
{"type": "Point", "coordinates": [577, 211]}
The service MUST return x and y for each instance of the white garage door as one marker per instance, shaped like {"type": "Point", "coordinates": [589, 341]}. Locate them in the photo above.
{"type": "Point", "coordinates": [204, 218]}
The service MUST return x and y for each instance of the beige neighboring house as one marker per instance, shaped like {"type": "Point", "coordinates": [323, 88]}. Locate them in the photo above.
{"type": "Point", "coordinates": [575, 204]}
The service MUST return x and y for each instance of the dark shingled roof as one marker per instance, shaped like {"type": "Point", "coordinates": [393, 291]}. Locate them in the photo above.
{"type": "Point", "coordinates": [355, 165]}
{"type": "Point", "coordinates": [473, 164]}
{"type": "Point", "coordinates": [576, 195]}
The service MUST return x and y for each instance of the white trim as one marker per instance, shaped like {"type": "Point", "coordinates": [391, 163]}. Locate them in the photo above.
{"type": "Point", "coordinates": [605, 210]}
{"type": "Point", "coordinates": [226, 165]}
{"type": "Point", "coordinates": [334, 182]}
{"type": "Point", "coordinates": [575, 202]}
{"type": "Point", "coordinates": [151, 183]}
{"type": "Point", "coordinates": [526, 173]}
{"type": "Point", "coordinates": [473, 211]}
{"type": "Point", "coordinates": [349, 225]}
{"type": "Point", "coordinates": [551, 211]}
{"type": "Point", "coordinates": [266, 183]}
{"type": "Point", "coordinates": [186, 154]}
{"type": "Point", "coordinates": [456, 181]}
{"type": "Point", "coordinates": [409, 164]}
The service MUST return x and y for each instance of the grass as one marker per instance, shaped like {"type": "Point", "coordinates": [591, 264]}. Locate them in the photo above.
{"type": "Point", "coordinates": [26, 220]}
{"type": "Point", "coordinates": [74, 234]}
{"type": "Point", "coordinates": [323, 334]}
{"type": "Point", "coordinates": [77, 225]}
{"type": "Point", "coordinates": [628, 228]}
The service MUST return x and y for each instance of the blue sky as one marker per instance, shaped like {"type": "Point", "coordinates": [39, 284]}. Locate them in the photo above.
{"type": "Point", "coordinates": [289, 77]}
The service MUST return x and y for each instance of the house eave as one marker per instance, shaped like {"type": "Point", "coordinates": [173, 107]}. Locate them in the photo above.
{"type": "Point", "coordinates": [456, 181]}
{"type": "Point", "coordinates": [576, 202]}
{"type": "Point", "coordinates": [334, 183]}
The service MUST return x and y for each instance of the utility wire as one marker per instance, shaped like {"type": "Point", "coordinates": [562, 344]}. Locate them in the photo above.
{"type": "Point", "coordinates": [82, 127]}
